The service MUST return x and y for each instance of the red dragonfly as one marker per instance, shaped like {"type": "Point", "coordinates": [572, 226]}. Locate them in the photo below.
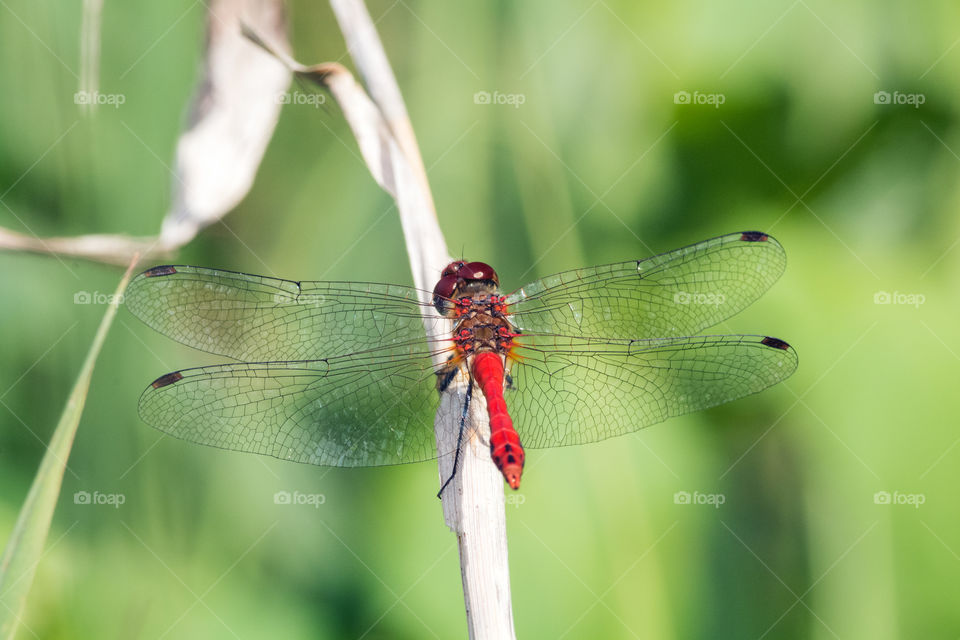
{"type": "Point", "coordinates": [344, 374]}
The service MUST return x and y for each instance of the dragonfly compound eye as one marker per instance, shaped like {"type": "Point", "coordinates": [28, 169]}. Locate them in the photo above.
{"type": "Point", "coordinates": [478, 271]}
{"type": "Point", "coordinates": [452, 268]}
{"type": "Point", "coordinates": [443, 292]}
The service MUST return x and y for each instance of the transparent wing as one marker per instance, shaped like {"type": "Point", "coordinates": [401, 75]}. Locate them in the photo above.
{"type": "Point", "coordinates": [570, 390]}
{"type": "Point", "coordinates": [248, 317]}
{"type": "Point", "coordinates": [364, 410]}
{"type": "Point", "coordinates": [677, 293]}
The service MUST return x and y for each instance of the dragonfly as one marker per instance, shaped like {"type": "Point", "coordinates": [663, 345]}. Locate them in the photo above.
{"type": "Point", "coordinates": [347, 374]}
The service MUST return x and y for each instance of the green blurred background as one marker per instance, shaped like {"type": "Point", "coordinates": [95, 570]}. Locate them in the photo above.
{"type": "Point", "coordinates": [598, 164]}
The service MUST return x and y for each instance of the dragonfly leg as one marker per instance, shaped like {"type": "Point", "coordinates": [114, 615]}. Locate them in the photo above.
{"type": "Point", "coordinates": [446, 375]}
{"type": "Point", "coordinates": [463, 423]}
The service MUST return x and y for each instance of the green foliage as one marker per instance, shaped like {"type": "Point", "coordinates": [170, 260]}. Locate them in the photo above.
{"type": "Point", "coordinates": [597, 165]}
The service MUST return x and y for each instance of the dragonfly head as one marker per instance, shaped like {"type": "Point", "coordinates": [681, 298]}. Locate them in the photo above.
{"type": "Point", "coordinates": [460, 278]}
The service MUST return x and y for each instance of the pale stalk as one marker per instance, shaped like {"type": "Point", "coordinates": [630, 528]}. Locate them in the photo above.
{"type": "Point", "coordinates": [473, 504]}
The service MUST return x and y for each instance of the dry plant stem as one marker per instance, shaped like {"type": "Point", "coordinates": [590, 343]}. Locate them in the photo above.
{"type": "Point", "coordinates": [367, 52]}
{"type": "Point", "coordinates": [108, 248]}
{"type": "Point", "coordinates": [473, 504]}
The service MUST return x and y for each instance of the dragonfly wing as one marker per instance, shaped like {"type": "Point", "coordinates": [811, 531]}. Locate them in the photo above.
{"type": "Point", "coordinates": [343, 412]}
{"type": "Point", "coordinates": [577, 390]}
{"type": "Point", "coordinates": [248, 317]}
{"type": "Point", "coordinates": [674, 294]}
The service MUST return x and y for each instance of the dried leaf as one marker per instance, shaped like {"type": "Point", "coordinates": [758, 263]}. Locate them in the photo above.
{"type": "Point", "coordinates": [235, 111]}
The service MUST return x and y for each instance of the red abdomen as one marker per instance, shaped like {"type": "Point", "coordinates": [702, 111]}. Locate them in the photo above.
{"type": "Point", "coordinates": [505, 447]}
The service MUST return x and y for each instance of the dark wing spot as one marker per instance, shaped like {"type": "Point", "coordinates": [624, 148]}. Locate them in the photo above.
{"type": "Point", "coordinates": [754, 236]}
{"type": "Point", "coordinates": [164, 270]}
{"type": "Point", "coordinates": [776, 343]}
{"type": "Point", "coordinates": [508, 447]}
{"type": "Point", "coordinates": [511, 459]}
{"type": "Point", "coordinates": [166, 380]}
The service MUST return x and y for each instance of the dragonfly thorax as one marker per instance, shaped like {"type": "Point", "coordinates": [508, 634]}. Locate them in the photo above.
{"type": "Point", "coordinates": [469, 292]}
{"type": "Point", "coordinates": [482, 325]}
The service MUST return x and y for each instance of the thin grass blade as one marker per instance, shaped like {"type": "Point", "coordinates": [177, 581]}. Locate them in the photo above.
{"type": "Point", "coordinates": [25, 547]}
